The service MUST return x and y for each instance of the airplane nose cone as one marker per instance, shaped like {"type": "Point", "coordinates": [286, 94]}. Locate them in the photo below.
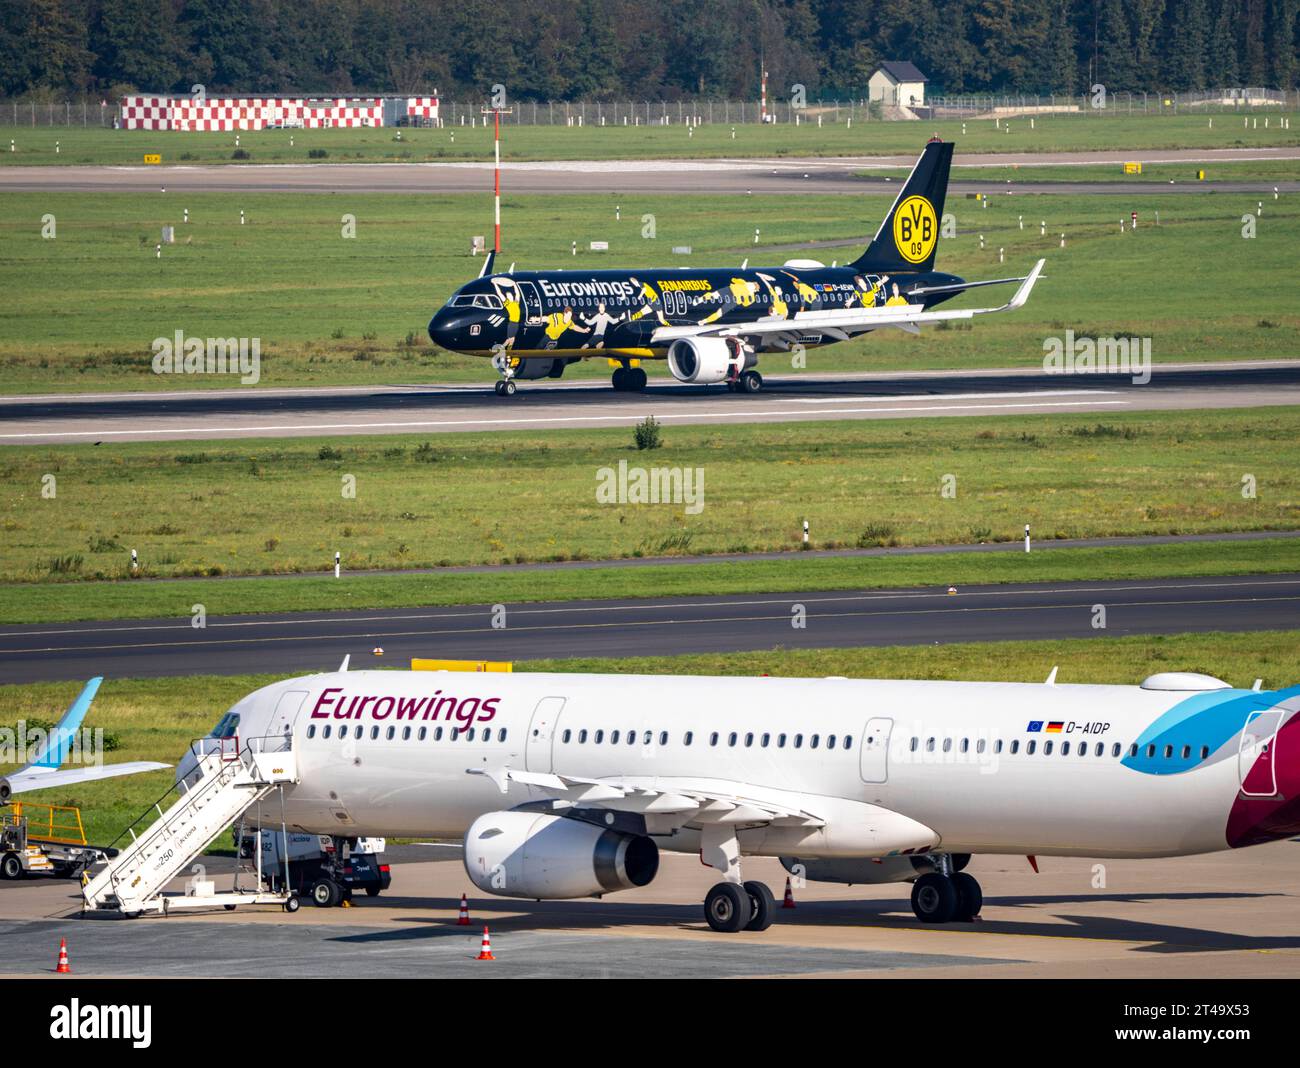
{"type": "Point", "coordinates": [440, 329]}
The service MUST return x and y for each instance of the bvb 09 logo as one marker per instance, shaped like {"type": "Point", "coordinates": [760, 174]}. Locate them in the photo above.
{"type": "Point", "coordinates": [915, 229]}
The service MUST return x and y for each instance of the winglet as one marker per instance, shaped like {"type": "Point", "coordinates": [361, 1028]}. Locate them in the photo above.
{"type": "Point", "coordinates": [1022, 294]}
{"type": "Point", "coordinates": [1051, 679]}
{"type": "Point", "coordinates": [488, 260]}
{"type": "Point", "coordinates": [346, 658]}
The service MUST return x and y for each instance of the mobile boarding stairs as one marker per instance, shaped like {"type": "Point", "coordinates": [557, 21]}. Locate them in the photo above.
{"type": "Point", "coordinates": [229, 779]}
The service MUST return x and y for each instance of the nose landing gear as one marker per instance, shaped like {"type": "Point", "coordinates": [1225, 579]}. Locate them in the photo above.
{"type": "Point", "coordinates": [506, 365]}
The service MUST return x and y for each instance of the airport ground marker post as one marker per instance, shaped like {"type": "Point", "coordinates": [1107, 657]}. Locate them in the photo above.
{"type": "Point", "coordinates": [1026, 537]}
{"type": "Point", "coordinates": [336, 564]}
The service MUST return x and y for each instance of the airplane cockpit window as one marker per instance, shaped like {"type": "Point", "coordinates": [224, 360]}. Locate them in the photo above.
{"type": "Point", "coordinates": [227, 726]}
{"type": "Point", "coordinates": [465, 300]}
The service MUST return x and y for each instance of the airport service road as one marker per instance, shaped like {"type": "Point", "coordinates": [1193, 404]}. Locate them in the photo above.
{"type": "Point", "coordinates": [540, 405]}
{"type": "Point", "coordinates": [1232, 914]}
{"type": "Point", "coordinates": [725, 176]}
{"type": "Point", "coordinates": [291, 643]}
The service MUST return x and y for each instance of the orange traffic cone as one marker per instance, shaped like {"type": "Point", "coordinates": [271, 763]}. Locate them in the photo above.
{"type": "Point", "coordinates": [486, 952]}
{"type": "Point", "coordinates": [63, 968]}
{"type": "Point", "coordinates": [463, 920]}
{"type": "Point", "coordinates": [788, 903]}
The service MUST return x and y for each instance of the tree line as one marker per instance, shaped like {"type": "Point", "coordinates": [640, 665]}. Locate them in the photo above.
{"type": "Point", "coordinates": [628, 49]}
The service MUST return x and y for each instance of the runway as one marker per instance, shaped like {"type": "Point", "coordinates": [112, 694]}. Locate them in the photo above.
{"type": "Point", "coordinates": [317, 641]}
{"type": "Point", "coordinates": [790, 397]}
{"type": "Point", "coordinates": [780, 176]}
{"type": "Point", "coordinates": [1231, 915]}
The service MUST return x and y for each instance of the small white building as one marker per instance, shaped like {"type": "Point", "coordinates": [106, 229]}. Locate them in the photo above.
{"type": "Point", "coordinates": [897, 84]}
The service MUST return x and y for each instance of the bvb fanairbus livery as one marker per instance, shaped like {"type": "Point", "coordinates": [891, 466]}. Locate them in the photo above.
{"type": "Point", "coordinates": [711, 325]}
{"type": "Point", "coordinates": [566, 786]}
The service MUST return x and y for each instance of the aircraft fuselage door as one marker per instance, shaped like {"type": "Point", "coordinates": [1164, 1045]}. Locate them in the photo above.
{"type": "Point", "coordinates": [874, 752]}
{"type": "Point", "coordinates": [529, 335]}
{"type": "Point", "coordinates": [541, 734]}
{"type": "Point", "coordinates": [285, 714]}
{"type": "Point", "coordinates": [1257, 757]}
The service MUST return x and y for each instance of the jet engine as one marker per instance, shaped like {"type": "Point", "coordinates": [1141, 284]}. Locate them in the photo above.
{"type": "Point", "coordinates": [539, 855]}
{"type": "Point", "coordinates": [539, 368]}
{"type": "Point", "coordinates": [700, 359]}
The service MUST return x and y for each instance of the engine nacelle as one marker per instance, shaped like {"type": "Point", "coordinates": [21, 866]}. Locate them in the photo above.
{"type": "Point", "coordinates": [538, 368]}
{"type": "Point", "coordinates": [6, 792]}
{"type": "Point", "coordinates": [538, 855]}
{"type": "Point", "coordinates": [851, 870]}
{"type": "Point", "coordinates": [700, 359]}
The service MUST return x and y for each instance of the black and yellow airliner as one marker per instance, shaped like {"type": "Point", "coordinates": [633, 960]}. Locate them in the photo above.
{"type": "Point", "coordinates": [711, 325]}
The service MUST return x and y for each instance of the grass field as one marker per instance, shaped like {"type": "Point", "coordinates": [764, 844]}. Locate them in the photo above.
{"type": "Point", "coordinates": [81, 310]}
{"type": "Point", "coordinates": [65, 602]}
{"type": "Point", "coordinates": [271, 506]}
{"type": "Point", "coordinates": [1055, 133]}
{"type": "Point", "coordinates": [155, 719]}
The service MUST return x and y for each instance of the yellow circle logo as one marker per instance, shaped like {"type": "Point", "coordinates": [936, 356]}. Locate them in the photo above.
{"type": "Point", "coordinates": [915, 229]}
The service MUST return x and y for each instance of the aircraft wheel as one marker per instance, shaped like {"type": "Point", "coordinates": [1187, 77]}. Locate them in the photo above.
{"type": "Point", "coordinates": [727, 908]}
{"type": "Point", "coordinates": [325, 893]}
{"type": "Point", "coordinates": [750, 382]}
{"type": "Point", "coordinates": [970, 898]}
{"type": "Point", "coordinates": [637, 380]}
{"type": "Point", "coordinates": [508, 387]}
{"type": "Point", "coordinates": [11, 867]}
{"type": "Point", "coordinates": [762, 906]}
{"type": "Point", "coordinates": [619, 379]}
{"type": "Point", "coordinates": [934, 898]}
{"type": "Point", "coordinates": [499, 389]}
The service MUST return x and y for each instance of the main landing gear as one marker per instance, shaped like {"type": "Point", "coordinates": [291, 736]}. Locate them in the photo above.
{"type": "Point", "coordinates": [745, 382]}
{"type": "Point", "coordinates": [947, 895]}
{"type": "Point", "coordinates": [733, 905]}
{"type": "Point", "coordinates": [629, 379]}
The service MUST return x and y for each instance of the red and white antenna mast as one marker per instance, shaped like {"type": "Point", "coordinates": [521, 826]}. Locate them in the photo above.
{"type": "Point", "coordinates": [496, 114]}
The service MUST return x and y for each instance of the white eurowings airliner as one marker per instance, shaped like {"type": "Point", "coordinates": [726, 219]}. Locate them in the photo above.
{"type": "Point", "coordinates": [45, 769]}
{"type": "Point", "coordinates": [567, 786]}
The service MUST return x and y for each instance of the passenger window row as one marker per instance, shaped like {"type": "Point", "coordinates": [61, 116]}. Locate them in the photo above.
{"type": "Point", "coordinates": [1031, 747]}
{"type": "Point", "coordinates": [748, 740]}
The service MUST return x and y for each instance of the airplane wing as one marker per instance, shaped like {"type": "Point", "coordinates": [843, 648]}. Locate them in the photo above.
{"type": "Point", "coordinates": [43, 778]}
{"type": "Point", "coordinates": [45, 769]}
{"type": "Point", "coordinates": [683, 802]}
{"type": "Point", "coordinates": [844, 322]}
{"type": "Point", "coordinates": [718, 809]}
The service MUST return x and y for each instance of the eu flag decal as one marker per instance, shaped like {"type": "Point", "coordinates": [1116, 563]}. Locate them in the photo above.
{"type": "Point", "coordinates": [1035, 725]}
